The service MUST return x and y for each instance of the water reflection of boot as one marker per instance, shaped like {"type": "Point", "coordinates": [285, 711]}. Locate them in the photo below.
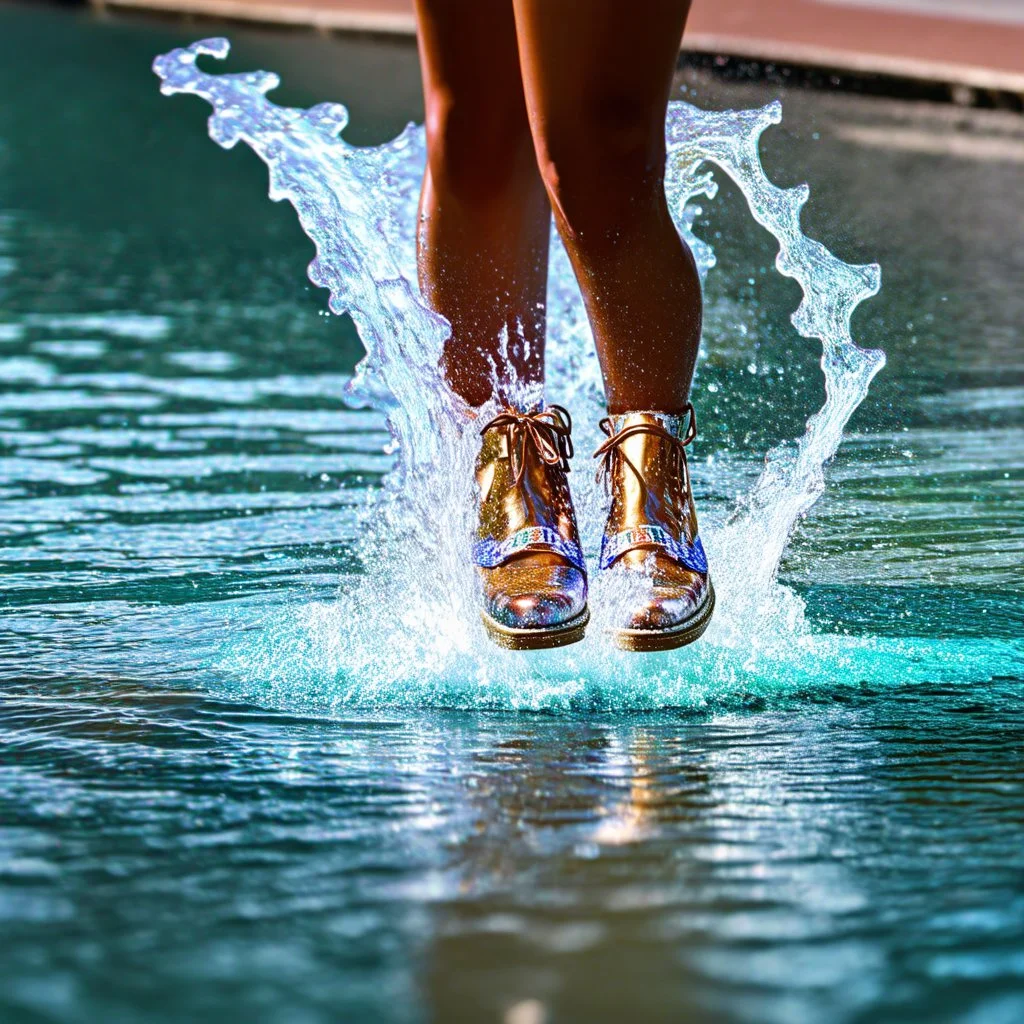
{"type": "Point", "coordinates": [650, 539]}
{"type": "Point", "coordinates": [532, 574]}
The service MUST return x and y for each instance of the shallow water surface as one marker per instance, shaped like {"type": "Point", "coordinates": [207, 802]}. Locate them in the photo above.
{"type": "Point", "coordinates": [202, 810]}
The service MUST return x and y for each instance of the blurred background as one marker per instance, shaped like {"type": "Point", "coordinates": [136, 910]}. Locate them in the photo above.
{"type": "Point", "coordinates": [970, 43]}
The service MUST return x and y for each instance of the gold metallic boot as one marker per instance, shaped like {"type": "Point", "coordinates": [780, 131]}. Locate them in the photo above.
{"type": "Point", "coordinates": [532, 574]}
{"type": "Point", "coordinates": [651, 533]}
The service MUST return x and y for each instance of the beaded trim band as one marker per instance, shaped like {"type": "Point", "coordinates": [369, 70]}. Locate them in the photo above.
{"type": "Point", "coordinates": [691, 556]}
{"type": "Point", "coordinates": [490, 553]}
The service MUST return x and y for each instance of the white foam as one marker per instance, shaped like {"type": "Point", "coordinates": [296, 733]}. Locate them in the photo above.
{"type": "Point", "coordinates": [408, 629]}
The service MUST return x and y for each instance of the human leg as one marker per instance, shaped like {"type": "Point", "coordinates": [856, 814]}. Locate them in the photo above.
{"type": "Point", "coordinates": [482, 254]}
{"type": "Point", "coordinates": [597, 76]}
{"type": "Point", "coordinates": [484, 215]}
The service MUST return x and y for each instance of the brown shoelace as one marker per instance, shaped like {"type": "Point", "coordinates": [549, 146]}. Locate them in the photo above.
{"type": "Point", "coordinates": [611, 450]}
{"type": "Point", "coordinates": [547, 433]}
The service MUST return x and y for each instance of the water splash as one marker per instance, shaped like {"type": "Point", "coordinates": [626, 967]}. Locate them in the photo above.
{"type": "Point", "coordinates": [408, 629]}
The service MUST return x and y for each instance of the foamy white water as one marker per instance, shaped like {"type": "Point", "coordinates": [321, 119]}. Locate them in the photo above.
{"type": "Point", "coordinates": [408, 630]}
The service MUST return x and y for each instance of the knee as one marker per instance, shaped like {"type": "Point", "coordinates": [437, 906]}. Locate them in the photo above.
{"type": "Point", "coordinates": [604, 170]}
{"type": "Point", "coordinates": [473, 153]}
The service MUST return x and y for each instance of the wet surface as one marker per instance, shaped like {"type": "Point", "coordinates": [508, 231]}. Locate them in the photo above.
{"type": "Point", "coordinates": [181, 857]}
{"type": "Point", "coordinates": [179, 467]}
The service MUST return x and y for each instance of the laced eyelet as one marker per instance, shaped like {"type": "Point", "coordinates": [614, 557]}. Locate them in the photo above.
{"type": "Point", "coordinates": [547, 433]}
{"type": "Point", "coordinates": [611, 450]}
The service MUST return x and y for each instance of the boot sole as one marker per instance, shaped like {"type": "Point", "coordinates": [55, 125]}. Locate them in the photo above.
{"type": "Point", "coordinates": [647, 640]}
{"type": "Point", "coordinates": [562, 635]}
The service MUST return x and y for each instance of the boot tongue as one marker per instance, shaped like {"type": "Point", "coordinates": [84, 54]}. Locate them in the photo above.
{"type": "Point", "coordinates": [649, 507]}
{"type": "Point", "coordinates": [524, 507]}
{"type": "Point", "coordinates": [646, 451]}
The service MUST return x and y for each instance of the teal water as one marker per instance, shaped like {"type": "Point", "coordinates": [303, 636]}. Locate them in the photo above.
{"type": "Point", "coordinates": [227, 788]}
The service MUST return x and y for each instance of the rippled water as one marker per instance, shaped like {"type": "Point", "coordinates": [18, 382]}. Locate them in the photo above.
{"type": "Point", "coordinates": [196, 821]}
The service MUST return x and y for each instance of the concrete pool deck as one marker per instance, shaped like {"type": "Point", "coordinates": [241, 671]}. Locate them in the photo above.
{"type": "Point", "coordinates": [973, 43]}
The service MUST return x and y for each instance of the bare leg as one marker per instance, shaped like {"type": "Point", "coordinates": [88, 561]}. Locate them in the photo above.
{"type": "Point", "coordinates": [597, 75]}
{"type": "Point", "coordinates": [483, 259]}
{"type": "Point", "coordinates": [484, 214]}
